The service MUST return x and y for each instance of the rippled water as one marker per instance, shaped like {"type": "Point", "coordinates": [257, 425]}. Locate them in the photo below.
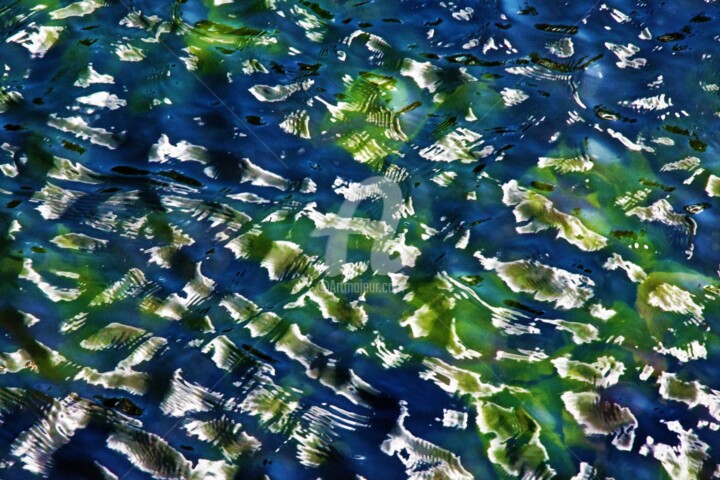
{"type": "Point", "coordinates": [527, 282]}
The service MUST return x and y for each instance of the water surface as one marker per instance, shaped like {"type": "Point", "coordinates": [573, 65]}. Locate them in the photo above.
{"type": "Point", "coordinates": [529, 287]}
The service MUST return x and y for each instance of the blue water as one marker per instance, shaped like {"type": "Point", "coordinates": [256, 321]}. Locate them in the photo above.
{"type": "Point", "coordinates": [165, 311]}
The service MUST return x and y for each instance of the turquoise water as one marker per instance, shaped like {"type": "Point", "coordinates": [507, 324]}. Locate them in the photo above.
{"type": "Point", "coordinates": [274, 239]}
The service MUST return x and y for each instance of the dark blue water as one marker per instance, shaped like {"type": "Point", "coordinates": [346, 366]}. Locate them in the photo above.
{"type": "Point", "coordinates": [179, 181]}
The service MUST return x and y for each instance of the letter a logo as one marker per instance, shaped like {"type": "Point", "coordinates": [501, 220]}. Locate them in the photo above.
{"type": "Point", "coordinates": [380, 261]}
